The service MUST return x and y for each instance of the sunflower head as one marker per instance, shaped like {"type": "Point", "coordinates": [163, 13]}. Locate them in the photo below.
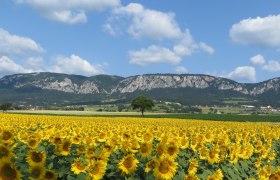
{"type": "Point", "coordinates": [5, 152]}
{"type": "Point", "coordinates": [97, 170]}
{"type": "Point", "coordinates": [65, 147]}
{"type": "Point", "coordinates": [145, 149]}
{"type": "Point", "coordinates": [79, 166]}
{"type": "Point", "coordinates": [36, 158]}
{"type": "Point", "coordinates": [217, 175]}
{"type": "Point", "coordinates": [165, 168]}
{"type": "Point", "coordinates": [128, 164]}
{"type": "Point", "coordinates": [50, 175]}
{"type": "Point", "coordinates": [8, 170]}
{"type": "Point", "coordinates": [37, 172]}
{"type": "Point", "coordinates": [7, 135]}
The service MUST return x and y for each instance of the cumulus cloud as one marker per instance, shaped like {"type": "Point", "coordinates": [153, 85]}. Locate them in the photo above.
{"type": "Point", "coordinates": [261, 32]}
{"type": "Point", "coordinates": [35, 63]}
{"type": "Point", "coordinates": [69, 11]}
{"type": "Point", "coordinates": [144, 23]}
{"type": "Point", "coordinates": [153, 55]}
{"type": "Point", "coordinates": [75, 65]}
{"type": "Point", "coordinates": [147, 23]}
{"type": "Point", "coordinates": [181, 70]}
{"type": "Point", "coordinates": [243, 73]}
{"type": "Point", "coordinates": [272, 66]}
{"type": "Point", "coordinates": [109, 29]}
{"type": "Point", "coordinates": [257, 60]}
{"type": "Point", "coordinates": [158, 54]}
{"type": "Point", "coordinates": [8, 66]}
{"type": "Point", "coordinates": [11, 44]}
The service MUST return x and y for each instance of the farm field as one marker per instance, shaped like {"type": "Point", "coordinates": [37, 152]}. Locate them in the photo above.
{"type": "Point", "coordinates": [214, 117]}
{"type": "Point", "coordinates": [75, 147]}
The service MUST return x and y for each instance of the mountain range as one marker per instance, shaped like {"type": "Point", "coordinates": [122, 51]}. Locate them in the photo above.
{"type": "Point", "coordinates": [47, 89]}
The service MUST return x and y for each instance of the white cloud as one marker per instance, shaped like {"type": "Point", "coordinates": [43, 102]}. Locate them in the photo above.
{"type": "Point", "coordinates": [75, 65]}
{"type": "Point", "coordinates": [67, 16]}
{"type": "Point", "coordinates": [158, 54]}
{"type": "Point", "coordinates": [261, 32]}
{"type": "Point", "coordinates": [8, 66]}
{"type": "Point", "coordinates": [69, 11]}
{"type": "Point", "coordinates": [147, 23]}
{"type": "Point", "coordinates": [13, 44]}
{"type": "Point", "coordinates": [181, 69]}
{"type": "Point", "coordinates": [272, 66]}
{"type": "Point", "coordinates": [206, 48]}
{"type": "Point", "coordinates": [109, 29]}
{"type": "Point", "coordinates": [257, 60]}
{"type": "Point", "coordinates": [153, 55]}
{"type": "Point", "coordinates": [243, 73]}
{"type": "Point", "coordinates": [143, 23]}
{"type": "Point", "coordinates": [36, 63]}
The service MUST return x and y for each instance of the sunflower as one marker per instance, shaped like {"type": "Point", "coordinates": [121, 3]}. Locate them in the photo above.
{"type": "Point", "coordinates": [172, 150]}
{"type": "Point", "coordinates": [5, 152]}
{"type": "Point", "coordinates": [8, 170]}
{"type": "Point", "coordinates": [184, 143]}
{"type": "Point", "coordinates": [145, 149]}
{"type": "Point", "coordinates": [32, 143]}
{"type": "Point", "coordinates": [275, 175]}
{"type": "Point", "coordinates": [37, 172]}
{"type": "Point", "coordinates": [81, 149]}
{"type": "Point", "coordinates": [191, 177]}
{"type": "Point", "coordinates": [128, 164]}
{"type": "Point", "coordinates": [97, 170]}
{"type": "Point", "coordinates": [36, 158]}
{"type": "Point", "coordinates": [79, 166]}
{"type": "Point", "coordinates": [165, 168]}
{"type": "Point", "coordinates": [7, 135]}
{"type": "Point", "coordinates": [148, 137]}
{"type": "Point", "coordinates": [65, 147]}
{"type": "Point", "coordinates": [102, 137]}
{"type": "Point", "coordinates": [203, 152]}
{"type": "Point", "coordinates": [50, 175]}
{"type": "Point", "coordinates": [217, 175]}
{"type": "Point", "coordinates": [160, 149]}
{"type": "Point", "coordinates": [149, 165]}
{"type": "Point", "coordinates": [193, 164]}
{"type": "Point", "coordinates": [213, 156]}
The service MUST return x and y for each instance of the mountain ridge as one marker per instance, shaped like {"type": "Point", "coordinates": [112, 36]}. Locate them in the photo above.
{"type": "Point", "coordinates": [108, 86]}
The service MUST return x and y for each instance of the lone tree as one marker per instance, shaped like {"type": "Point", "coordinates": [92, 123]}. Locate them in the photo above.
{"type": "Point", "coordinates": [5, 106]}
{"type": "Point", "coordinates": [143, 103]}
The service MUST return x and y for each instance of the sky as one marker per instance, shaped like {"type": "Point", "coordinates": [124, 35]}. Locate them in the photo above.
{"type": "Point", "coordinates": [234, 39]}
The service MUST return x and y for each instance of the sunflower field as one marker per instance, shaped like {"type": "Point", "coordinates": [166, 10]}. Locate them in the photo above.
{"type": "Point", "coordinates": [64, 147]}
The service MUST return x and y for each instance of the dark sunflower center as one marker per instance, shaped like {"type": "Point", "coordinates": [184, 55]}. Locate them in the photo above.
{"type": "Point", "coordinates": [160, 151]}
{"type": "Point", "coordinates": [164, 167]}
{"type": "Point", "coordinates": [66, 146]}
{"type": "Point", "coordinates": [7, 135]}
{"type": "Point", "coordinates": [212, 154]}
{"type": "Point", "coordinates": [145, 148]}
{"type": "Point", "coordinates": [81, 165]}
{"type": "Point", "coordinates": [128, 162]}
{"type": "Point", "coordinates": [3, 152]}
{"type": "Point", "coordinates": [49, 175]}
{"type": "Point", "coordinates": [102, 135]}
{"type": "Point", "coordinates": [7, 172]}
{"type": "Point", "coordinates": [37, 157]}
{"type": "Point", "coordinates": [36, 173]}
{"type": "Point", "coordinates": [32, 142]}
{"type": "Point", "coordinates": [94, 169]}
{"type": "Point", "coordinates": [171, 150]}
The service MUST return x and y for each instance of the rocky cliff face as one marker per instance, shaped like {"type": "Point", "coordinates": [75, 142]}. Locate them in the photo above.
{"type": "Point", "coordinates": [114, 84]}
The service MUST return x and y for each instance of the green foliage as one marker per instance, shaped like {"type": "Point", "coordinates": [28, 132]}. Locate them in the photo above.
{"type": "Point", "coordinates": [143, 103]}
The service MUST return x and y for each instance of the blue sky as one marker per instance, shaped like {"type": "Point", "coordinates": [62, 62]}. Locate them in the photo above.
{"type": "Point", "coordinates": [236, 39]}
